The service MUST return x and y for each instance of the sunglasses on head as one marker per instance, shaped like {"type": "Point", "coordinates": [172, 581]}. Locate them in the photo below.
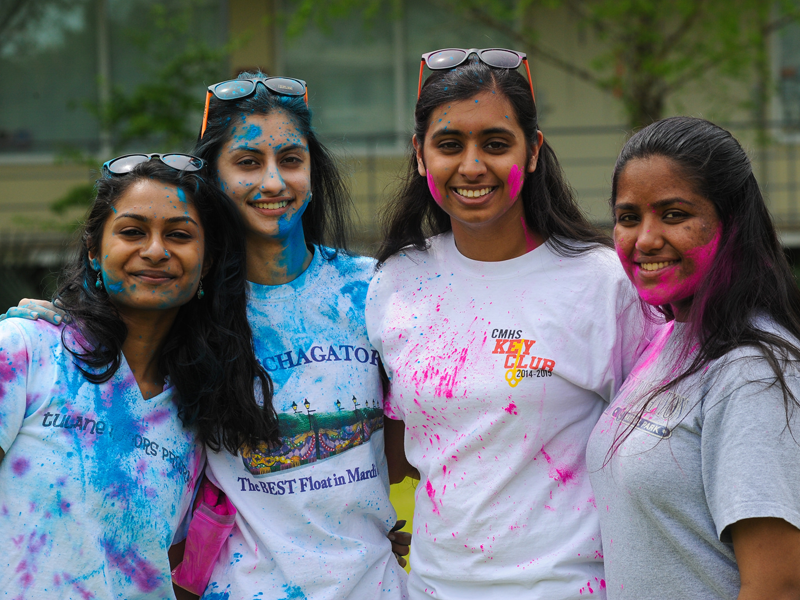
{"type": "Point", "coordinates": [123, 165]}
{"type": "Point", "coordinates": [234, 89]}
{"type": "Point", "coordinates": [449, 58]}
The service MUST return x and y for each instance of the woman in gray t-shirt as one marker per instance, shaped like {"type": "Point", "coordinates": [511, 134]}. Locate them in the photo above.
{"type": "Point", "coordinates": [696, 463]}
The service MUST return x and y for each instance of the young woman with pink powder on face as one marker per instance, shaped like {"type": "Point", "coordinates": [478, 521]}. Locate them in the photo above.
{"type": "Point", "coordinates": [696, 464]}
{"type": "Point", "coordinates": [505, 325]}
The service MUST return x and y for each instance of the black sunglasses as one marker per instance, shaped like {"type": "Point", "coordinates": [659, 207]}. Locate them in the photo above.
{"type": "Point", "coordinates": [234, 89]}
{"type": "Point", "coordinates": [125, 164]}
{"type": "Point", "coordinates": [449, 58]}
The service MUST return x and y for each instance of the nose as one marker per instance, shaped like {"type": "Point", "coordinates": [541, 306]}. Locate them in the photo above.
{"type": "Point", "coordinates": [650, 238]}
{"type": "Point", "coordinates": [272, 182]}
{"type": "Point", "coordinates": [472, 165]}
{"type": "Point", "coordinates": [154, 249]}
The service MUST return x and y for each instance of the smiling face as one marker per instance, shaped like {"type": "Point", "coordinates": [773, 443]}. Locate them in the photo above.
{"type": "Point", "coordinates": [151, 251]}
{"type": "Point", "coordinates": [666, 234]}
{"type": "Point", "coordinates": [265, 169]}
{"type": "Point", "coordinates": [475, 158]}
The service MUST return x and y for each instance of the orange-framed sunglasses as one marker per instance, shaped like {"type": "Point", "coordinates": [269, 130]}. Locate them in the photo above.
{"type": "Point", "coordinates": [234, 89]}
{"type": "Point", "coordinates": [449, 58]}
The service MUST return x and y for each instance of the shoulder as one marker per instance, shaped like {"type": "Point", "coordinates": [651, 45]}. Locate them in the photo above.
{"type": "Point", "coordinates": [410, 261]}
{"type": "Point", "coordinates": [351, 267]}
{"type": "Point", "coordinates": [599, 272]}
{"type": "Point", "coordinates": [30, 334]}
{"type": "Point", "coordinates": [753, 363]}
{"type": "Point", "coordinates": [599, 260]}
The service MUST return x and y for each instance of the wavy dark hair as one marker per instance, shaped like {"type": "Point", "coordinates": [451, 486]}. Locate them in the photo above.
{"type": "Point", "coordinates": [749, 276]}
{"type": "Point", "coordinates": [208, 354]}
{"type": "Point", "coordinates": [548, 202]}
{"type": "Point", "coordinates": [326, 220]}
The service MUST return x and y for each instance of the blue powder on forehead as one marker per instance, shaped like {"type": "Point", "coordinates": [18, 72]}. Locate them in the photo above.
{"type": "Point", "coordinates": [253, 131]}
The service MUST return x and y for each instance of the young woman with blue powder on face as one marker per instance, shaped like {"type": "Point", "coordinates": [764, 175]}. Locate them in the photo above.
{"type": "Point", "coordinates": [505, 324]}
{"type": "Point", "coordinates": [314, 510]}
{"type": "Point", "coordinates": [103, 420]}
{"type": "Point", "coordinates": [696, 463]}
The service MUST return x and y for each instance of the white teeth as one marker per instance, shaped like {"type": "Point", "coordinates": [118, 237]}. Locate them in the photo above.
{"type": "Point", "coordinates": [473, 193]}
{"type": "Point", "coordinates": [656, 266]}
{"type": "Point", "coordinates": [271, 205]}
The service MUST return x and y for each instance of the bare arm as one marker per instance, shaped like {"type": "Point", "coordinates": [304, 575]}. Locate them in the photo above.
{"type": "Point", "coordinates": [399, 467]}
{"type": "Point", "coordinates": [768, 555]}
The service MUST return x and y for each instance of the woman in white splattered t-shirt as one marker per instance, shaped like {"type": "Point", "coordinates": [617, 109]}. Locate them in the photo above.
{"type": "Point", "coordinates": [503, 335]}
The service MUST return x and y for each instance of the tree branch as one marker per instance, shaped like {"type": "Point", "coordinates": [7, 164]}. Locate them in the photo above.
{"type": "Point", "coordinates": [671, 41]}
{"type": "Point", "coordinates": [781, 22]}
{"type": "Point", "coordinates": [9, 17]}
{"type": "Point", "coordinates": [484, 18]}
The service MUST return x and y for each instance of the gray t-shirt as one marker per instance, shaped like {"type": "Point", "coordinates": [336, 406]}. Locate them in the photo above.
{"type": "Point", "coordinates": [712, 452]}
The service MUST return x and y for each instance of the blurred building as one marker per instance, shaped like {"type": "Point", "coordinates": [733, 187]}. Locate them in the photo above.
{"type": "Point", "coordinates": [68, 56]}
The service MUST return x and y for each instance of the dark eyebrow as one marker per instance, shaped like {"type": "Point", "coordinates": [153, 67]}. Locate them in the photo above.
{"type": "Point", "coordinates": [247, 148]}
{"type": "Point", "coordinates": [658, 204]}
{"type": "Point", "coordinates": [491, 131]}
{"type": "Point", "coordinates": [143, 219]}
{"type": "Point", "coordinates": [291, 148]}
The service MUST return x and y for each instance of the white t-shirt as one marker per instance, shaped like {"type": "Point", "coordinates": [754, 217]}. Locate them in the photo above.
{"type": "Point", "coordinates": [710, 452]}
{"type": "Point", "coordinates": [96, 480]}
{"type": "Point", "coordinates": [313, 514]}
{"type": "Point", "coordinates": [500, 370]}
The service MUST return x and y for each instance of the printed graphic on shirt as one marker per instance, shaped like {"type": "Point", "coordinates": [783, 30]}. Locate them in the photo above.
{"type": "Point", "coordinates": [655, 420]}
{"type": "Point", "coordinates": [92, 427]}
{"type": "Point", "coordinates": [319, 353]}
{"type": "Point", "coordinates": [307, 438]}
{"type": "Point", "coordinates": [519, 358]}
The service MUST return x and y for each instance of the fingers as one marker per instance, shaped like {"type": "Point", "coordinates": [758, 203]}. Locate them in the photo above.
{"type": "Point", "coordinates": [400, 540]}
{"type": "Point", "coordinates": [398, 526]}
{"type": "Point", "coordinates": [21, 313]}
{"type": "Point", "coordinates": [38, 309]}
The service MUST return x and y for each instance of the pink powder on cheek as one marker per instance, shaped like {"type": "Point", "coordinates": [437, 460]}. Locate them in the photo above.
{"type": "Point", "coordinates": [668, 291]}
{"type": "Point", "coordinates": [515, 180]}
{"type": "Point", "coordinates": [434, 192]}
{"type": "Point", "coordinates": [626, 261]}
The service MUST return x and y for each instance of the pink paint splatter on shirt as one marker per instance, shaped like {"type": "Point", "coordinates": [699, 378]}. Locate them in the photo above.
{"type": "Point", "coordinates": [563, 474]}
{"type": "Point", "coordinates": [434, 192]}
{"type": "Point", "coordinates": [432, 496]}
{"type": "Point", "coordinates": [138, 570]}
{"type": "Point", "coordinates": [159, 416]}
{"type": "Point", "coordinates": [511, 408]}
{"type": "Point", "coordinates": [515, 181]}
{"type": "Point", "coordinates": [20, 466]}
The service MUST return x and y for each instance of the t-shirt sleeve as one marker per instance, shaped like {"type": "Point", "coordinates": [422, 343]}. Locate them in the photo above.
{"type": "Point", "coordinates": [378, 298]}
{"type": "Point", "coordinates": [750, 458]}
{"type": "Point", "coordinates": [14, 361]}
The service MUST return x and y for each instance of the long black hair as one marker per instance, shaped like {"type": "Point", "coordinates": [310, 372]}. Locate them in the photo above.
{"type": "Point", "coordinates": [326, 220]}
{"type": "Point", "coordinates": [750, 276]}
{"type": "Point", "coordinates": [548, 202]}
{"type": "Point", "coordinates": [208, 353]}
